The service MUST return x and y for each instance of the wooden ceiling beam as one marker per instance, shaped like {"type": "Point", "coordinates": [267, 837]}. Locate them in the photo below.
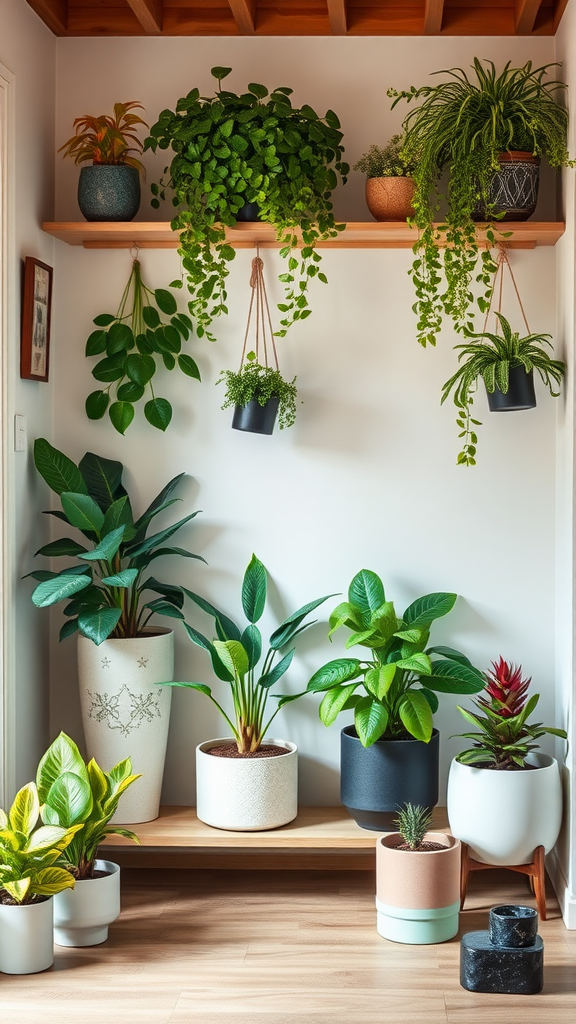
{"type": "Point", "coordinates": [244, 12]}
{"type": "Point", "coordinates": [338, 17]}
{"type": "Point", "coordinates": [433, 14]}
{"type": "Point", "coordinates": [149, 14]}
{"type": "Point", "coordinates": [525, 16]}
{"type": "Point", "coordinates": [54, 14]}
{"type": "Point", "coordinates": [558, 12]}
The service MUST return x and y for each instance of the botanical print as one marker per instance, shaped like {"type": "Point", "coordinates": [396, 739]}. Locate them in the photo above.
{"type": "Point", "coordinates": [106, 707]}
{"type": "Point", "coordinates": [40, 322]}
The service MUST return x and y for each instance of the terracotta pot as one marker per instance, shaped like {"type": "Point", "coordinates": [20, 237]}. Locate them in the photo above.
{"type": "Point", "coordinates": [246, 794]}
{"type": "Point", "coordinates": [514, 188]}
{"type": "Point", "coordinates": [418, 893]}
{"type": "Point", "coordinates": [390, 198]}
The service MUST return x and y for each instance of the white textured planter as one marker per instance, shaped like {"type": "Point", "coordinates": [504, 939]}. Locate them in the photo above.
{"type": "Point", "coordinates": [26, 938]}
{"type": "Point", "coordinates": [82, 914]}
{"type": "Point", "coordinates": [246, 794]}
{"type": "Point", "coordinates": [504, 816]}
{"type": "Point", "coordinates": [125, 714]}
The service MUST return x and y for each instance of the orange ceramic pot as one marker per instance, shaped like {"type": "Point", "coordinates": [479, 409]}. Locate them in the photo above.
{"type": "Point", "coordinates": [418, 893]}
{"type": "Point", "coordinates": [390, 198]}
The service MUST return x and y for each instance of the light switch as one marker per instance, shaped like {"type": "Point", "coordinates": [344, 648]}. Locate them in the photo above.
{"type": "Point", "coordinates": [20, 439]}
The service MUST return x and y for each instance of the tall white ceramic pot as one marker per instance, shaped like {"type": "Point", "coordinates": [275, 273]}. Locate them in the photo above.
{"type": "Point", "coordinates": [82, 914]}
{"type": "Point", "coordinates": [503, 816]}
{"type": "Point", "coordinates": [125, 714]}
{"type": "Point", "coordinates": [26, 938]}
{"type": "Point", "coordinates": [246, 794]}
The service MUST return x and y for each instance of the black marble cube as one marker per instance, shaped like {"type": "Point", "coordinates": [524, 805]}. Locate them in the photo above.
{"type": "Point", "coordinates": [485, 967]}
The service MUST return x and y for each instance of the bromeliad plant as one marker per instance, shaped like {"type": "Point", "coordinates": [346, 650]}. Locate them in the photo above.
{"type": "Point", "coordinates": [260, 383]}
{"type": "Point", "coordinates": [491, 361]}
{"type": "Point", "coordinates": [505, 737]}
{"type": "Point", "coordinates": [107, 139]}
{"type": "Point", "coordinates": [31, 857]}
{"type": "Point", "coordinates": [133, 340]}
{"type": "Point", "coordinates": [402, 674]}
{"type": "Point", "coordinates": [413, 822]}
{"type": "Point", "coordinates": [82, 796]}
{"type": "Point", "coordinates": [106, 589]}
{"type": "Point", "coordinates": [236, 655]}
{"type": "Point", "coordinates": [254, 147]}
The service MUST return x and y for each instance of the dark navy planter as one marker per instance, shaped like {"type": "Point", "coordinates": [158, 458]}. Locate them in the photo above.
{"type": "Point", "coordinates": [256, 418]}
{"type": "Point", "coordinates": [376, 781]}
{"type": "Point", "coordinates": [109, 192]}
{"type": "Point", "coordinates": [249, 212]}
{"type": "Point", "coordinates": [520, 394]}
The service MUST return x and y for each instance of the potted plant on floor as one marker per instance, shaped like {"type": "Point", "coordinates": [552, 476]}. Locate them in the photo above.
{"type": "Point", "coordinates": [488, 131]}
{"type": "Point", "coordinates": [259, 394]}
{"type": "Point", "coordinates": [73, 793]}
{"type": "Point", "coordinates": [110, 188]}
{"type": "Point", "coordinates": [30, 875]}
{"type": "Point", "coordinates": [417, 880]}
{"type": "Point", "coordinates": [254, 147]}
{"type": "Point", "coordinates": [502, 769]}
{"type": "Point", "coordinates": [389, 181]}
{"type": "Point", "coordinates": [506, 365]}
{"type": "Point", "coordinates": [390, 755]}
{"type": "Point", "coordinates": [242, 783]}
{"type": "Point", "coordinates": [110, 601]}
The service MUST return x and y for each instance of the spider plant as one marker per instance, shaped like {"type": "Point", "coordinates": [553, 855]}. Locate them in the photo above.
{"type": "Point", "coordinates": [492, 359]}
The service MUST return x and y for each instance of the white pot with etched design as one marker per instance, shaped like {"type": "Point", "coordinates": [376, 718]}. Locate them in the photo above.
{"type": "Point", "coordinates": [125, 713]}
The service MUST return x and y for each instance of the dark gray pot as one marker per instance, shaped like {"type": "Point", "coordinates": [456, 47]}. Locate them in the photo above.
{"type": "Point", "coordinates": [376, 781]}
{"type": "Point", "coordinates": [109, 192]}
{"type": "Point", "coordinates": [520, 394]}
{"type": "Point", "coordinates": [250, 212]}
{"type": "Point", "coordinates": [256, 418]}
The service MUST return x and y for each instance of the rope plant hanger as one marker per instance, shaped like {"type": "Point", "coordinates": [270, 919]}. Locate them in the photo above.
{"type": "Point", "coordinates": [258, 391]}
{"type": "Point", "coordinates": [504, 361]}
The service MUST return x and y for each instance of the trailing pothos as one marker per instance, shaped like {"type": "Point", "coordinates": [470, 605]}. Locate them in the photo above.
{"type": "Point", "coordinates": [146, 326]}
{"type": "Point", "coordinates": [234, 149]}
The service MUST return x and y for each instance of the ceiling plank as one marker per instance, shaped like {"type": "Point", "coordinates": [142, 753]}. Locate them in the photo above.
{"type": "Point", "coordinates": [149, 14]}
{"type": "Point", "coordinates": [433, 13]}
{"type": "Point", "coordinates": [244, 12]}
{"type": "Point", "coordinates": [558, 12]}
{"type": "Point", "coordinates": [526, 11]}
{"type": "Point", "coordinates": [54, 14]}
{"type": "Point", "coordinates": [338, 17]}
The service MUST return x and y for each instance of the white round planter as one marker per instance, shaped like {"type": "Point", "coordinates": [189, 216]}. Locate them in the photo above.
{"type": "Point", "coordinates": [82, 914]}
{"type": "Point", "coordinates": [125, 714]}
{"type": "Point", "coordinates": [246, 794]}
{"type": "Point", "coordinates": [504, 816]}
{"type": "Point", "coordinates": [26, 938]}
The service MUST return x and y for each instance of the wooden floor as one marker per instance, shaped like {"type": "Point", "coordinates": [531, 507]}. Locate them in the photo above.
{"type": "Point", "coordinates": [232, 947]}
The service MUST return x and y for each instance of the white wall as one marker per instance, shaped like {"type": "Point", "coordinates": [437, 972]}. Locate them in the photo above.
{"type": "Point", "coordinates": [27, 49]}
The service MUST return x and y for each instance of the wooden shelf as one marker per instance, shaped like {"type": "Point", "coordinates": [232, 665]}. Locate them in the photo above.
{"type": "Point", "coordinates": [358, 235]}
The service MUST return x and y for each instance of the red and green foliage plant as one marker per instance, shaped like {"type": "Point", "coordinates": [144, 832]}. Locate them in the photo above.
{"type": "Point", "coordinates": [107, 139]}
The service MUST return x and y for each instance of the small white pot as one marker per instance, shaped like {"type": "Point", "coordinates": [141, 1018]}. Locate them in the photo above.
{"type": "Point", "coordinates": [26, 938]}
{"type": "Point", "coordinates": [125, 714]}
{"type": "Point", "coordinates": [82, 914]}
{"type": "Point", "coordinates": [504, 816]}
{"type": "Point", "coordinates": [246, 794]}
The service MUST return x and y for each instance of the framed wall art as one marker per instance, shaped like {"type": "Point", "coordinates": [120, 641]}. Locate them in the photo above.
{"type": "Point", "coordinates": [36, 310]}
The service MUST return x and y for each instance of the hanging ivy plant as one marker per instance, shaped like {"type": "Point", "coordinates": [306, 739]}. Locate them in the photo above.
{"type": "Point", "coordinates": [147, 326]}
{"type": "Point", "coordinates": [234, 149]}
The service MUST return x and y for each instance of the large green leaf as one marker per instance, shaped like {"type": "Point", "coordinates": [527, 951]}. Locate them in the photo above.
{"type": "Point", "coordinates": [107, 548]}
{"type": "Point", "coordinates": [333, 674]}
{"type": "Point", "coordinates": [379, 680]}
{"type": "Point", "coordinates": [158, 503]}
{"type": "Point", "coordinates": [60, 587]}
{"type": "Point", "coordinates": [82, 511]}
{"type": "Point", "coordinates": [278, 671]}
{"type": "Point", "coordinates": [98, 625]}
{"type": "Point", "coordinates": [124, 578]}
{"type": "Point", "coordinates": [230, 629]}
{"type": "Point", "coordinates": [370, 720]}
{"type": "Point", "coordinates": [134, 551]}
{"type": "Point", "coordinates": [251, 641]}
{"type": "Point", "coordinates": [343, 615]}
{"type": "Point", "coordinates": [50, 881]}
{"type": "Point", "coordinates": [453, 677]}
{"type": "Point", "coordinates": [425, 610]}
{"type": "Point", "coordinates": [418, 662]}
{"type": "Point", "coordinates": [201, 641]}
{"type": "Point", "coordinates": [59, 472]}
{"type": "Point", "coordinates": [233, 656]}
{"type": "Point", "coordinates": [25, 810]}
{"type": "Point", "coordinates": [158, 412]}
{"type": "Point", "coordinates": [168, 590]}
{"type": "Point", "coordinates": [333, 702]}
{"type": "Point", "coordinates": [254, 590]}
{"type": "Point", "coordinates": [103, 478]}
{"type": "Point", "coordinates": [71, 798]}
{"type": "Point", "coordinates": [58, 548]}
{"type": "Point", "coordinates": [62, 756]}
{"type": "Point", "coordinates": [366, 593]}
{"type": "Point", "coordinates": [121, 415]}
{"type": "Point", "coordinates": [119, 513]}
{"type": "Point", "coordinates": [45, 838]}
{"type": "Point", "coordinates": [416, 715]}
{"type": "Point", "coordinates": [451, 654]}
{"type": "Point", "coordinates": [287, 630]}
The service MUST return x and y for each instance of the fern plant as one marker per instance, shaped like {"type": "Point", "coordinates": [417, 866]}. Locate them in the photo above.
{"type": "Point", "coordinates": [386, 162]}
{"type": "Point", "coordinates": [413, 822]}
{"type": "Point", "coordinates": [254, 382]}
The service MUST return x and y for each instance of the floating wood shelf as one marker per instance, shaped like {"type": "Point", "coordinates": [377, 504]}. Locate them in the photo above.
{"type": "Point", "coordinates": [359, 235]}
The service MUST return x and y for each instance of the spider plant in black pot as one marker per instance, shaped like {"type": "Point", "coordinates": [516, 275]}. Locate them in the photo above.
{"type": "Point", "coordinates": [505, 364]}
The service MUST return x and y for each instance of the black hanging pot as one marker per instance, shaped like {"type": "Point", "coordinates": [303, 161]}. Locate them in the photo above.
{"type": "Point", "coordinates": [376, 781]}
{"type": "Point", "coordinates": [109, 192]}
{"type": "Point", "coordinates": [520, 394]}
{"type": "Point", "coordinates": [249, 212]}
{"type": "Point", "coordinates": [258, 419]}
{"type": "Point", "coordinates": [513, 190]}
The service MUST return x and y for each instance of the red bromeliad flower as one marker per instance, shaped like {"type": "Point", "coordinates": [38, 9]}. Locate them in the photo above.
{"type": "Point", "coordinates": [506, 688]}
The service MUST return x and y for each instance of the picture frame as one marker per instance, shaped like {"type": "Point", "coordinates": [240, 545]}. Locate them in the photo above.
{"type": "Point", "coordinates": [36, 316]}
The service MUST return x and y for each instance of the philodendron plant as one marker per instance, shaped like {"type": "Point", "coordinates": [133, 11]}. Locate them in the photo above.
{"type": "Point", "coordinates": [236, 655]}
{"type": "Point", "coordinates": [82, 796]}
{"type": "Point", "coordinates": [401, 675]}
{"type": "Point", "coordinates": [106, 589]}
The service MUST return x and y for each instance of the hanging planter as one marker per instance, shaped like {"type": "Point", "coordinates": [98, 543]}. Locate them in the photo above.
{"type": "Point", "coordinates": [258, 390]}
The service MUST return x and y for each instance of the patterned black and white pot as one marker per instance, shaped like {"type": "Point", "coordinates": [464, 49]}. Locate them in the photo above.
{"type": "Point", "coordinates": [125, 714]}
{"type": "Point", "coordinates": [514, 187]}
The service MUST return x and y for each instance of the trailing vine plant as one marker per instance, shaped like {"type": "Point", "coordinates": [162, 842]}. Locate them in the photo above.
{"type": "Point", "coordinates": [234, 149]}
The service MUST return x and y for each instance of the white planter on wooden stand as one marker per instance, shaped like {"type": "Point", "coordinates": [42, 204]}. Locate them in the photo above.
{"type": "Point", "coordinates": [246, 794]}
{"type": "Point", "coordinates": [82, 914]}
{"type": "Point", "coordinates": [125, 714]}
{"type": "Point", "coordinates": [26, 938]}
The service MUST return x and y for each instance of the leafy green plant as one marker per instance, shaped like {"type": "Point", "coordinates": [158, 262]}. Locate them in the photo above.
{"type": "Point", "coordinates": [254, 147]}
{"type": "Point", "coordinates": [501, 713]}
{"type": "Point", "coordinates": [401, 674]}
{"type": "Point", "coordinates": [30, 857]}
{"type": "Point", "coordinates": [106, 589]}
{"type": "Point", "coordinates": [108, 139]}
{"type": "Point", "coordinates": [491, 361]}
{"type": "Point", "coordinates": [387, 162]}
{"type": "Point", "coordinates": [236, 655]}
{"type": "Point", "coordinates": [461, 125]}
{"type": "Point", "coordinates": [75, 794]}
{"type": "Point", "coordinates": [254, 382]}
{"type": "Point", "coordinates": [132, 339]}
{"type": "Point", "coordinates": [413, 822]}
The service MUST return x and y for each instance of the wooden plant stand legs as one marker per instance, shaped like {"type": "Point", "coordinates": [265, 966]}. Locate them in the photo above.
{"type": "Point", "coordinates": [535, 871]}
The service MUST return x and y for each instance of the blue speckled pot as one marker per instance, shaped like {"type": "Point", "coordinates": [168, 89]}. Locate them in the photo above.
{"type": "Point", "coordinates": [109, 192]}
